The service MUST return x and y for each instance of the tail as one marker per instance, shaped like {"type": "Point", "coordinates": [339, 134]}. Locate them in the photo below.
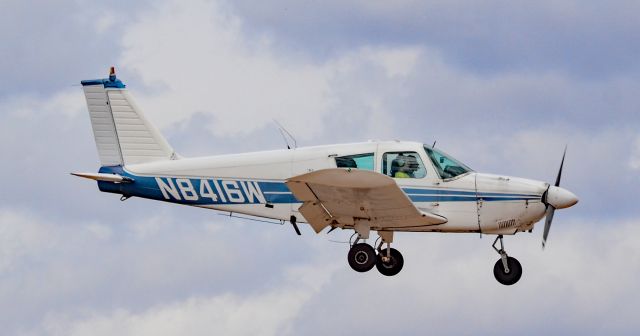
{"type": "Point", "coordinates": [123, 135]}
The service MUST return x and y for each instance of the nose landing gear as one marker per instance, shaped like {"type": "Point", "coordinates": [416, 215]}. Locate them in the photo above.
{"type": "Point", "coordinates": [507, 270]}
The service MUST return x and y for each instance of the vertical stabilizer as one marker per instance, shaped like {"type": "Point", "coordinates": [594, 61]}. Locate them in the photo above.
{"type": "Point", "coordinates": [122, 133]}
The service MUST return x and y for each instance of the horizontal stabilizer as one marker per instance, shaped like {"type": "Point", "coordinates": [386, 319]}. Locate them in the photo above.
{"type": "Point", "coordinates": [105, 177]}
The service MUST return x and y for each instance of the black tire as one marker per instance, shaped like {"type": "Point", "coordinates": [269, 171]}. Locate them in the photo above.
{"type": "Point", "coordinates": [393, 266]}
{"type": "Point", "coordinates": [361, 257]}
{"type": "Point", "coordinates": [515, 271]}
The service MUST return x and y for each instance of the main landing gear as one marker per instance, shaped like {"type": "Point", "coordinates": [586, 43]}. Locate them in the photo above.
{"type": "Point", "coordinates": [507, 270]}
{"type": "Point", "coordinates": [362, 256]}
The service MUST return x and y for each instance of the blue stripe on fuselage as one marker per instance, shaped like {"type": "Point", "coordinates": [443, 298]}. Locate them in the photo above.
{"type": "Point", "coordinates": [446, 198]}
{"type": "Point", "coordinates": [209, 191]}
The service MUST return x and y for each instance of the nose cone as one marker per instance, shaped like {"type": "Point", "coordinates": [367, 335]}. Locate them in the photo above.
{"type": "Point", "coordinates": [561, 198]}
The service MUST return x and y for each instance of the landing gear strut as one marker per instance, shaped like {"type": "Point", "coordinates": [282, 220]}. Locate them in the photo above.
{"type": "Point", "coordinates": [507, 270]}
{"type": "Point", "coordinates": [362, 257]}
{"type": "Point", "coordinates": [390, 261]}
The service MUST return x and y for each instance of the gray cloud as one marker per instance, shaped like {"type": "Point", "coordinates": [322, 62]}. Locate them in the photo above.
{"type": "Point", "coordinates": [595, 40]}
{"type": "Point", "coordinates": [71, 270]}
{"type": "Point", "coordinates": [48, 46]}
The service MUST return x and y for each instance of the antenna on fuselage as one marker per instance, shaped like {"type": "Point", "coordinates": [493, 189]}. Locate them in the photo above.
{"type": "Point", "coordinates": [434, 144]}
{"type": "Point", "coordinates": [286, 135]}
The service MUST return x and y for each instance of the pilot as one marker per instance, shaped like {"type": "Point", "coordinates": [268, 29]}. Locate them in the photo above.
{"type": "Point", "coordinates": [407, 166]}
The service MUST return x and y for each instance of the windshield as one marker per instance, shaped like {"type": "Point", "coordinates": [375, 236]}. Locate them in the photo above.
{"type": "Point", "coordinates": [447, 166]}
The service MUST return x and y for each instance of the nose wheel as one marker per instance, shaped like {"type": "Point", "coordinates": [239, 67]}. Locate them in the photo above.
{"type": "Point", "coordinates": [507, 270]}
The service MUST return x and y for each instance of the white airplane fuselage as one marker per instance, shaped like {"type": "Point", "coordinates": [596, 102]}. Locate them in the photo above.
{"type": "Point", "coordinates": [254, 184]}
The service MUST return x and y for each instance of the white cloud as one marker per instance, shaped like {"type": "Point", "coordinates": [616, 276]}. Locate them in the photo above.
{"type": "Point", "coordinates": [67, 103]}
{"type": "Point", "coordinates": [211, 67]}
{"type": "Point", "coordinates": [270, 312]}
{"type": "Point", "coordinates": [244, 82]}
{"type": "Point", "coordinates": [105, 22]}
{"type": "Point", "coordinates": [398, 62]}
{"type": "Point", "coordinates": [21, 237]}
{"type": "Point", "coordinates": [537, 151]}
{"type": "Point", "coordinates": [576, 282]}
{"type": "Point", "coordinates": [150, 226]}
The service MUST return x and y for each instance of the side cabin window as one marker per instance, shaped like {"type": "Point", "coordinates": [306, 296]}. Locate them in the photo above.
{"type": "Point", "coordinates": [403, 165]}
{"type": "Point", "coordinates": [360, 161]}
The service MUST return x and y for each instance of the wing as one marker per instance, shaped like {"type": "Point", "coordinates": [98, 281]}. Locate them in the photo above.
{"type": "Point", "coordinates": [341, 197]}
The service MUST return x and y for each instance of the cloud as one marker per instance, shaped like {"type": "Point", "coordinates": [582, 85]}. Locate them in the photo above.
{"type": "Point", "coordinates": [634, 160]}
{"type": "Point", "coordinates": [56, 274]}
{"type": "Point", "coordinates": [488, 37]}
{"type": "Point", "coordinates": [43, 140]}
{"type": "Point", "coordinates": [210, 67]}
{"type": "Point", "coordinates": [268, 313]}
{"type": "Point", "coordinates": [235, 83]}
{"type": "Point", "coordinates": [63, 103]}
{"type": "Point", "coordinates": [49, 46]}
{"type": "Point", "coordinates": [20, 239]}
{"type": "Point", "coordinates": [397, 62]}
{"type": "Point", "coordinates": [444, 276]}
{"type": "Point", "coordinates": [243, 82]}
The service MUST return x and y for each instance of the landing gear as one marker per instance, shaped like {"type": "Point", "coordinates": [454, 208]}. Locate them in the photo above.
{"type": "Point", "coordinates": [507, 270]}
{"type": "Point", "coordinates": [390, 262]}
{"type": "Point", "coordinates": [362, 257]}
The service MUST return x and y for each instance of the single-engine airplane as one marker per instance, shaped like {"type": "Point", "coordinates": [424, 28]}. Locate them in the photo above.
{"type": "Point", "coordinates": [382, 186]}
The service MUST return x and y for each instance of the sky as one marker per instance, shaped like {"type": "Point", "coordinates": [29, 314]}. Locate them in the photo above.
{"type": "Point", "coordinates": [502, 86]}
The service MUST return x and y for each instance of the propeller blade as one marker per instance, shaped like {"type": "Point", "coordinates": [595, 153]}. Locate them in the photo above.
{"type": "Point", "coordinates": [550, 209]}
{"type": "Point", "coordinates": [547, 224]}
{"type": "Point", "coordinates": [560, 171]}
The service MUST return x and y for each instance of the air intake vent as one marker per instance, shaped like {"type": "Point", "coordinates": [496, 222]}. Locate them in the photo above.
{"type": "Point", "coordinates": [507, 223]}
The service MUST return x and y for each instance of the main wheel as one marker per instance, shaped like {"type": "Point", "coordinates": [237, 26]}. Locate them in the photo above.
{"type": "Point", "coordinates": [361, 257]}
{"type": "Point", "coordinates": [515, 271]}
{"type": "Point", "coordinates": [391, 267]}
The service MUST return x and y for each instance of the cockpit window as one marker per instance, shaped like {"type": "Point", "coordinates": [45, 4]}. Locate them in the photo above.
{"type": "Point", "coordinates": [447, 166]}
{"type": "Point", "coordinates": [403, 165]}
{"type": "Point", "coordinates": [360, 161]}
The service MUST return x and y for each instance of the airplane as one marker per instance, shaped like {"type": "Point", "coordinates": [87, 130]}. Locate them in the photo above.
{"type": "Point", "coordinates": [381, 186]}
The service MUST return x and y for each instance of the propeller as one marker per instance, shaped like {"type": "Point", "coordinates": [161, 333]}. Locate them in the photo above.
{"type": "Point", "coordinates": [550, 208]}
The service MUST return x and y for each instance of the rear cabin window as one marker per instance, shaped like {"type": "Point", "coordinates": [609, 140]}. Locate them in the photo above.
{"type": "Point", "coordinates": [403, 165]}
{"type": "Point", "coordinates": [360, 161]}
